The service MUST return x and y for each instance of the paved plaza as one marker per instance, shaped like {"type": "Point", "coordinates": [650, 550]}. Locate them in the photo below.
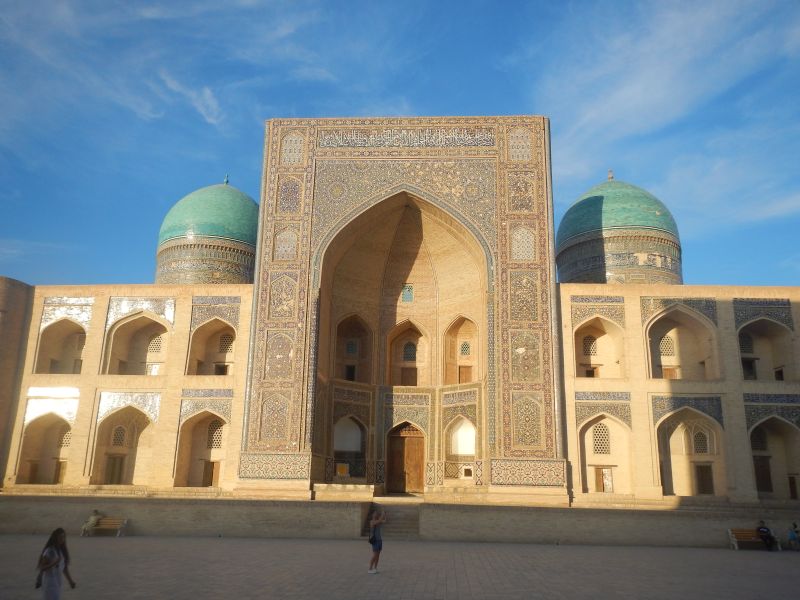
{"type": "Point", "coordinates": [174, 568]}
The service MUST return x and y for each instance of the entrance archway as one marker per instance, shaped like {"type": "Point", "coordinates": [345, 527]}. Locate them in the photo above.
{"type": "Point", "coordinates": [405, 459]}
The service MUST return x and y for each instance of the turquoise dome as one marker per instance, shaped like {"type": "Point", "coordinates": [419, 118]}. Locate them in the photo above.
{"type": "Point", "coordinates": [219, 211]}
{"type": "Point", "coordinates": [615, 205]}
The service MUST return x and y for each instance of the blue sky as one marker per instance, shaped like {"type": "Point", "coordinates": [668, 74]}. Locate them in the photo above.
{"type": "Point", "coordinates": [112, 111]}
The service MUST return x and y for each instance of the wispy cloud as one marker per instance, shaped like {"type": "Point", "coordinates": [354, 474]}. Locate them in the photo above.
{"type": "Point", "coordinates": [13, 250]}
{"type": "Point", "coordinates": [202, 100]}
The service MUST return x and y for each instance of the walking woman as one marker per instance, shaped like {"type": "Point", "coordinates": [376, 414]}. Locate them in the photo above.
{"type": "Point", "coordinates": [52, 562]}
{"type": "Point", "coordinates": [378, 519]}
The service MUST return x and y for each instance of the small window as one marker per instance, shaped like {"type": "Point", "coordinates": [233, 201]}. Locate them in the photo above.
{"type": "Point", "coordinates": [220, 369]}
{"type": "Point", "coordinates": [591, 372]}
{"type": "Point", "coordinates": [666, 346]}
{"type": "Point", "coordinates": [214, 434]}
{"type": "Point", "coordinates": [465, 349]}
{"type": "Point", "coordinates": [758, 439]}
{"type": "Point", "coordinates": [779, 374]}
{"type": "Point", "coordinates": [65, 438]}
{"type": "Point", "coordinates": [351, 347]}
{"type": "Point", "coordinates": [590, 346]}
{"type": "Point", "coordinates": [749, 369]}
{"type": "Point", "coordinates": [603, 480]}
{"type": "Point", "coordinates": [407, 294]}
{"type": "Point", "coordinates": [155, 344]}
{"type": "Point", "coordinates": [350, 372]}
{"type": "Point", "coordinates": [409, 351]}
{"type": "Point", "coordinates": [152, 368]}
{"type": "Point", "coordinates": [118, 437]}
{"type": "Point", "coordinates": [745, 343]}
{"type": "Point", "coordinates": [700, 442]}
{"type": "Point", "coordinates": [601, 439]}
{"type": "Point", "coordinates": [669, 373]}
{"type": "Point", "coordinates": [225, 343]}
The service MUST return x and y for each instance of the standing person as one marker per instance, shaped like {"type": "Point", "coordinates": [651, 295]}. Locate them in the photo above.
{"type": "Point", "coordinates": [52, 562]}
{"type": "Point", "coordinates": [375, 539]}
{"type": "Point", "coordinates": [794, 537]}
{"type": "Point", "coordinates": [765, 533]}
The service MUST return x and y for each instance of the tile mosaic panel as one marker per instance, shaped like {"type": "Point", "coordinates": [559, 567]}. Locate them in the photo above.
{"type": "Point", "coordinates": [190, 407]}
{"type": "Point", "coordinates": [749, 309]}
{"type": "Point", "coordinates": [755, 414]}
{"type": "Point", "coordinates": [66, 408]}
{"type": "Point", "coordinates": [603, 396]}
{"type": "Point", "coordinates": [524, 296]}
{"type": "Point", "coordinates": [292, 148]}
{"type": "Point", "coordinates": [460, 397]}
{"type": "Point", "coordinates": [207, 393]}
{"type": "Point", "coordinates": [478, 473]}
{"type": "Point", "coordinates": [394, 415]}
{"type": "Point", "coordinates": [203, 313]}
{"type": "Point", "coordinates": [279, 362]}
{"type": "Point", "coordinates": [434, 473]}
{"type": "Point", "coordinates": [705, 306]}
{"type": "Point", "coordinates": [526, 356]}
{"type": "Point", "coordinates": [521, 192]}
{"type": "Point", "coordinates": [587, 410]}
{"type": "Point", "coordinates": [147, 402]}
{"type": "Point", "coordinates": [404, 398]}
{"type": "Point", "coordinates": [538, 472]}
{"type": "Point", "coordinates": [274, 466]}
{"type": "Point", "coordinates": [519, 144]}
{"type": "Point", "coordinates": [772, 398]}
{"type": "Point", "coordinates": [405, 137]}
{"type": "Point", "coordinates": [283, 297]}
{"type": "Point", "coordinates": [289, 195]}
{"type": "Point", "coordinates": [597, 299]}
{"type": "Point", "coordinates": [710, 405]}
{"type": "Point", "coordinates": [523, 244]}
{"type": "Point", "coordinates": [344, 409]}
{"type": "Point", "coordinates": [216, 300]}
{"type": "Point", "coordinates": [526, 419]}
{"type": "Point", "coordinates": [343, 394]}
{"type": "Point", "coordinates": [285, 245]}
{"type": "Point", "coordinates": [613, 312]}
{"type": "Point", "coordinates": [121, 307]}
{"type": "Point", "coordinates": [274, 417]}
{"type": "Point", "coordinates": [62, 307]}
{"type": "Point", "coordinates": [450, 413]}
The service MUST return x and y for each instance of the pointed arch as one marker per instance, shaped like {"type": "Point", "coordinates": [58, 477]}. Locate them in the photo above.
{"type": "Point", "coordinates": [212, 348]}
{"type": "Point", "coordinates": [61, 346]}
{"type": "Point", "coordinates": [770, 353]}
{"type": "Point", "coordinates": [127, 347]}
{"type": "Point", "coordinates": [605, 455]}
{"type": "Point", "coordinates": [117, 459]}
{"type": "Point", "coordinates": [694, 337]}
{"type": "Point", "coordinates": [199, 463]}
{"type": "Point", "coordinates": [605, 357]}
{"type": "Point", "coordinates": [353, 355]}
{"type": "Point", "coordinates": [44, 451]}
{"type": "Point", "coordinates": [461, 351]}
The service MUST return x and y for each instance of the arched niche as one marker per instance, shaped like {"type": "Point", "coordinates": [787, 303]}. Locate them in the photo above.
{"type": "Point", "coordinates": [775, 447]}
{"type": "Point", "coordinates": [211, 350]}
{"type": "Point", "coordinates": [599, 349]}
{"type": "Point", "coordinates": [408, 356]}
{"type": "Point", "coordinates": [690, 455]}
{"type": "Point", "coordinates": [460, 438]}
{"type": "Point", "coordinates": [461, 363]}
{"type": "Point", "coordinates": [405, 459]}
{"type": "Point", "coordinates": [765, 349]}
{"type": "Point", "coordinates": [350, 448]}
{"type": "Point", "coordinates": [202, 442]}
{"type": "Point", "coordinates": [123, 448]}
{"type": "Point", "coordinates": [45, 444]}
{"type": "Point", "coordinates": [61, 348]}
{"type": "Point", "coordinates": [682, 345]}
{"type": "Point", "coordinates": [605, 456]}
{"type": "Point", "coordinates": [137, 345]}
{"type": "Point", "coordinates": [353, 351]}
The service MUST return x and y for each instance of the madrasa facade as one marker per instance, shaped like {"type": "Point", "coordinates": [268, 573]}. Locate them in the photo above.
{"type": "Point", "coordinates": [399, 316]}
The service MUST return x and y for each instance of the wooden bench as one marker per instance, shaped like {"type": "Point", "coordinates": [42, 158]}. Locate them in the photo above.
{"type": "Point", "coordinates": [747, 536]}
{"type": "Point", "coordinates": [111, 524]}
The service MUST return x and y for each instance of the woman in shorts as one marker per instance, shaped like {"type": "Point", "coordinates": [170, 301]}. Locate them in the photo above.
{"type": "Point", "coordinates": [375, 539]}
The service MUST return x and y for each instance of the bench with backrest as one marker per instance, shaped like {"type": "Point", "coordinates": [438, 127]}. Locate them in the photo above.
{"type": "Point", "coordinates": [748, 536]}
{"type": "Point", "coordinates": [110, 524]}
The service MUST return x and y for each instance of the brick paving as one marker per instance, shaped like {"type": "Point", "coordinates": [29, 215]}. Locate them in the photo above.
{"type": "Point", "coordinates": [176, 568]}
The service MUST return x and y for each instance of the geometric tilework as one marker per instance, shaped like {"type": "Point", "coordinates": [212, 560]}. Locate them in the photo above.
{"type": "Point", "coordinates": [119, 307]}
{"type": "Point", "coordinates": [536, 472]}
{"type": "Point", "coordinates": [586, 410]}
{"type": "Point", "coordinates": [772, 398]}
{"type": "Point", "coordinates": [526, 419]}
{"type": "Point", "coordinates": [147, 402]}
{"type": "Point", "coordinates": [76, 309]}
{"type": "Point", "coordinates": [274, 466]}
{"type": "Point", "coordinates": [603, 396]}
{"type": "Point", "coordinates": [710, 405]}
{"type": "Point", "coordinates": [705, 306]}
{"type": "Point", "coordinates": [749, 309]}
{"type": "Point", "coordinates": [756, 414]}
{"type": "Point", "coordinates": [192, 407]}
{"type": "Point", "coordinates": [207, 393]}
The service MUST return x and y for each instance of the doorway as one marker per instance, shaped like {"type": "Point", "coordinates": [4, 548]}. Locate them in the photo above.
{"type": "Point", "coordinates": [405, 460]}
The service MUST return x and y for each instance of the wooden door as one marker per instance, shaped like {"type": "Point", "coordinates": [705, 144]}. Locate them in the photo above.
{"type": "Point", "coordinates": [114, 467]}
{"type": "Point", "coordinates": [704, 475]}
{"type": "Point", "coordinates": [763, 474]}
{"type": "Point", "coordinates": [405, 460]}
